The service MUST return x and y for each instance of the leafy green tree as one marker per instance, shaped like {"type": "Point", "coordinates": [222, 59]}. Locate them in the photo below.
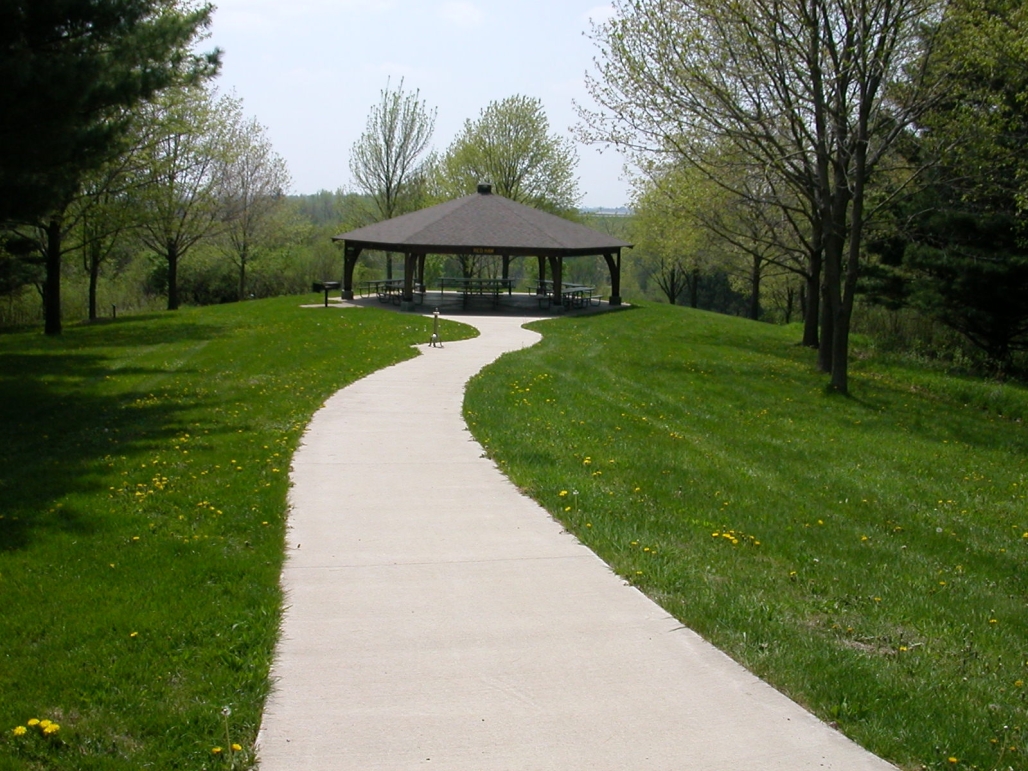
{"type": "Point", "coordinates": [812, 93]}
{"type": "Point", "coordinates": [255, 182]}
{"type": "Point", "coordinates": [186, 152]}
{"type": "Point", "coordinates": [388, 160]}
{"type": "Point", "coordinates": [70, 72]}
{"type": "Point", "coordinates": [959, 249]}
{"type": "Point", "coordinates": [511, 147]}
{"type": "Point", "coordinates": [670, 240]}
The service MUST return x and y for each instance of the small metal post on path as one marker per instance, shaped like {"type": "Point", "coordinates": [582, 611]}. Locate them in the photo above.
{"type": "Point", "coordinates": [435, 342]}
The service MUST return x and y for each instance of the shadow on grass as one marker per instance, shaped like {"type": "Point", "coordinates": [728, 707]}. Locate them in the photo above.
{"type": "Point", "coordinates": [147, 329]}
{"type": "Point", "coordinates": [65, 418]}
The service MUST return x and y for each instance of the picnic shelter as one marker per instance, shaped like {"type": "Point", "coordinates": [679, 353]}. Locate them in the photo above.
{"type": "Point", "coordinates": [482, 224]}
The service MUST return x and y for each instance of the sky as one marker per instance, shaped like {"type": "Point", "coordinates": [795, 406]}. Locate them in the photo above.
{"type": "Point", "coordinates": [310, 71]}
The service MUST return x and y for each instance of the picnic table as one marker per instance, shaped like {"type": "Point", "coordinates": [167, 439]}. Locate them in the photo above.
{"type": "Point", "coordinates": [485, 287]}
{"type": "Point", "coordinates": [387, 289]}
{"type": "Point", "coordinates": [572, 295]}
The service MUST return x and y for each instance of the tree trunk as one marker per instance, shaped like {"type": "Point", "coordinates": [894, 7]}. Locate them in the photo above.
{"type": "Point", "coordinates": [694, 288]}
{"type": "Point", "coordinates": [94, 278]}
{"type": "Point", "coordinates": [829, 304]}
{"type": "Point", "coordinates": [834, 247]}
{"type": "Point", "coordinates": [755, 289]}
{"type": "Point", "coordinates": [840, 349]}
{"type": "Point", "coordinates": [52, 287]}
{"type": "Point", "coordinates": [172, 255]}
{"type": "Point", "coordinates": [810, 301]}
{"type": "Point", "coordinates": [242, 275]}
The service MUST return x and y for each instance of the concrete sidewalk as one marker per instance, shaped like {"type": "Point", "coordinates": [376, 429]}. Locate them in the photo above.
{"type": "Point", "coordinates": [437, 618]}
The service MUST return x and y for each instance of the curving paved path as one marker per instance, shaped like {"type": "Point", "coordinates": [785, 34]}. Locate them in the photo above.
{"type": "Point", "coordinates": [436, 618]}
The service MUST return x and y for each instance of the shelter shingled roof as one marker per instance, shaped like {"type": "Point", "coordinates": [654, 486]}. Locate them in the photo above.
{"type": "Point", "coordinates": [483, 223]}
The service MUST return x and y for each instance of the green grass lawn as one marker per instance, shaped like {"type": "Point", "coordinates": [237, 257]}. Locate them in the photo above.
{"type": "Point", "coordinates": [868, 555]}
{"type": "Point", "coordinates": [143, 478]}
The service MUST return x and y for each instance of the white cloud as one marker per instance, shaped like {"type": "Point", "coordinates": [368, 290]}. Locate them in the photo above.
{"type": "Point", "coordinates": [302, 6]}
{"type": "Point", "coordinates": [268, 15]}
{"type": "Point", "coordinates": [599, 14]}
{"type": "Point", "coordinates": [462, 14]}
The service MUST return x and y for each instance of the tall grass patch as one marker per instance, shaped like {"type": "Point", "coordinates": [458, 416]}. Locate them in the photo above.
{"type": "Point", "coordinates": [143, 479]}
{"type": "Point", "coordinates": [865, 555]}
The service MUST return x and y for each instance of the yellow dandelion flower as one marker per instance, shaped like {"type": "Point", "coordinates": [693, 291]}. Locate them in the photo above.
{"type": "Point", "coordinates": [236, 748]}
{"type": "Point", "coordinates": [953, 759]}
{"type": "Point", "coordinates": [903, 647]}
{"type": "Point", "coordinates": [562, 493]}
{"type": "Point", "coordinates": [1018, 683]}
{"type": "Point", "coordinates": [51, 729]}
{"type": "Point", "coordinates": [133, 634]}
{"type": "Point", "coordinates": [19, 731]}
{"type": "Point", "coordinates": [34, 721]}
{"type": "Point", "coordinates": [993, 621]}
{"type": "Point", "coordinates": [43, 724]}
{"type": "Point", "coordinates": [215, 750]}
{"type": "Point", "coordinates": [567, 508]}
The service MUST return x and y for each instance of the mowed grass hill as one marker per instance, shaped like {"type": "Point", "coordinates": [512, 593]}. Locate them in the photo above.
{"type": "Point", "coordinates": [868, 556]}
{"type": "Point", "coordinates": [143, 477]}
{"type": "Point", "coordinates": [865, 555]}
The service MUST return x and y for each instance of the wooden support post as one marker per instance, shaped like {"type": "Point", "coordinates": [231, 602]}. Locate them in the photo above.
{"type": "Point", "coordinates": [614, 266]}
{"type": "Point", "coordinates": [350, 255]}
{"type": "Point", "coordinates": [407, 297]}
{"type": "Point", "coordinates": [421, 273]}
{"type": "Point", "coordinates": [557, 269]}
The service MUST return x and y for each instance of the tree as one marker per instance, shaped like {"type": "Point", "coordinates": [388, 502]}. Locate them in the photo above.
{"type": "Point", "coordinates": [387, 161]}
{"type": "Point", "coordinates": [813, 94]}
{"type": "Point", "coordinates": [185, 154]}
{"type": "Point", "coordinates": [958, 250]}
{"type": "Point", "coordinates": [510, 147]}
{"type": "Point", "coordinates": [69, 74]}
{"type": "Point", "coordinates": [668, 233]}
{"type": "Point", "coordinates": [255, 182]}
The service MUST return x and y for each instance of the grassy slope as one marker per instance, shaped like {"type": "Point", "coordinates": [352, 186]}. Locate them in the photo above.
{"type": "Point", "coordinates": [866, 555]}
{"type": "Point", "coordinates": [143, 480]}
